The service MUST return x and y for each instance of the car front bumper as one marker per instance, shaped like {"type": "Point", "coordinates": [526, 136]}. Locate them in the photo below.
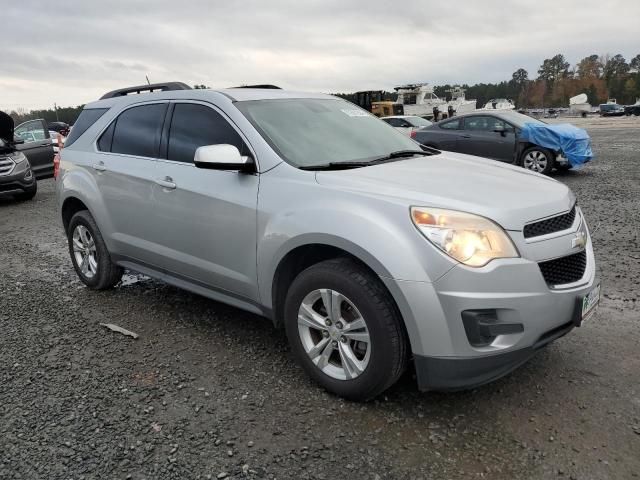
{"type": "Point", "coordinates": [20, 179]}
{"type": "Point", "coordinates": [524, 310]}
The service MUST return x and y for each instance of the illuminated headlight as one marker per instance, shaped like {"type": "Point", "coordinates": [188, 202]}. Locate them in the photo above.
{"type": "Point", "coordinates": [18, 157]}
{"type": "Point", "coordinates": [467, 238]}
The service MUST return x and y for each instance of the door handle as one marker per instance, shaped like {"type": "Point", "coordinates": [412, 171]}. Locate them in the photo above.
{"type": "Point", "coordinates": [464, 136]}
{"type": "Point", "coordinates": [46, 144]}
{"type": "Point", "coordinates": [166, 182]}
{"type": "Point", "coordinates": [99, 166]}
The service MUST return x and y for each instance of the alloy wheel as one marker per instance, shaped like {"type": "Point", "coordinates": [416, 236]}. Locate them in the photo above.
{"type": "Point", "coordinates": [535, 161]}
{"type": "Point", "coordinates": [84, 251]}
{"type": "Point", "coordinates": [334, 334]}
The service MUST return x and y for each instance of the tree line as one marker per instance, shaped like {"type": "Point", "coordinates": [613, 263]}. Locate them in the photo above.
{"type": "Point", "coordinates": [601, 77]}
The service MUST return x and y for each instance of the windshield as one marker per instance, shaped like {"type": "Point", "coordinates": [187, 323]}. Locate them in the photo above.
{"type": "Point", "coordinates": [418, 121]}
{"type": "Point", "coordinates": [309, 131]}
{"type": "Point", "coordinates": [518, 119]}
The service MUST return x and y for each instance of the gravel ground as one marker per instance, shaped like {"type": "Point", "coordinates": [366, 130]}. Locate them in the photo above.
{"type": "Point", "coordinates": [209, 391]}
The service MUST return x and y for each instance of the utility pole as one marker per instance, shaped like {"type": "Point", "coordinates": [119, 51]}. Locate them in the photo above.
{"type": "Point", "coordinates": [55, 107]}
{"type": "Point", "coordinates": [147, 77]}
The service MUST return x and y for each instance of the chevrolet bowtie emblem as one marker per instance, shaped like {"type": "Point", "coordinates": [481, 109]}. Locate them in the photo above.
{"type": "Point", "coordinates": [579, 241]}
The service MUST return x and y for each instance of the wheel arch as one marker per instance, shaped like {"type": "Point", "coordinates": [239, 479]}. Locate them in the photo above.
{"type": "Point", "coordinates": [306, 252]}
{"type": "Point", "coordinates": [70, 206]}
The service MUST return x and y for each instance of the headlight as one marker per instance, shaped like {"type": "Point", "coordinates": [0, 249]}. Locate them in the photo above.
{"type": "Point", "coordinates": [18, 157]}
{"type": "Point", "coordinates": [467, 238]}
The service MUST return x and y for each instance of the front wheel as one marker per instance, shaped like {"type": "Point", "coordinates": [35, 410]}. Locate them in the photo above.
{"type": "Point", "coordinates": [344, 329]}
{"type": "Point", "coordinates": [89, 254]}
{"type": "Point", "coordinates": [538, 159]}
{"type": "Point", "coordinates": [27, 194]}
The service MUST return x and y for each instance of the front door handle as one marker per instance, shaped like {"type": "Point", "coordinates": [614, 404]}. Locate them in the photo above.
{"type": "Point", "coordinates": [46, 144]}
{"type": "Point", "coordinates": [166, 182]}
{"type": "Point", "coordinates": [464, 136]}
{"type": "Point", "coordinates": [99, 166]}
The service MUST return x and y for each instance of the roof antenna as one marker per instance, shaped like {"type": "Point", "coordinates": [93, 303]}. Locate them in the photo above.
{"type": "Point", "coordinates": [147, 77]}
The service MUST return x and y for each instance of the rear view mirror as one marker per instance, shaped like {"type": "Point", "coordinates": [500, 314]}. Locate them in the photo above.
{"type": "Point", "coordinates": [222, 157]}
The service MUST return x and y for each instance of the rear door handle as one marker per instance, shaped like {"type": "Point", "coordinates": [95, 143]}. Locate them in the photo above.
{"type": "Point", "coordinates": [46, 144]}
{"type": "Point", "coordinates": [166, 182]}
{"type": "Point", "coordinates": [99, 166]}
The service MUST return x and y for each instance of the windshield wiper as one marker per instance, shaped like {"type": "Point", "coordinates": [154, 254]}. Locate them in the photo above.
{"type": "Point", "coordinates": [365, 163]}
{"type": "Point", "coordinates": [404, 153]}
{"type": "Point", "coordinates": [335, 166]}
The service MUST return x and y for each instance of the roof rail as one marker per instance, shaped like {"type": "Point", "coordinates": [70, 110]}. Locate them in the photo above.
{"type": "Point", "coordinates": [153, 87]}
{"type": "Point", "coordinates": [260, 86]}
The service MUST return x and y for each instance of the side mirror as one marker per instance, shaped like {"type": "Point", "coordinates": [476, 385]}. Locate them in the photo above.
{"type": "Point", "coordinates": [222, 157]}
{"type": "Point", "coordinates": [499, 129]}
{"type": "Point", "coordinates": [18, 141]}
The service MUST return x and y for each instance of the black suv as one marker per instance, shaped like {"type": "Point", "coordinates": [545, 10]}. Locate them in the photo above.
{"type": "Point", "coordinates": [16, 177]}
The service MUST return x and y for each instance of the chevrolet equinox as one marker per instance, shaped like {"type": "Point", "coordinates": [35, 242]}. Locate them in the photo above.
{"type": "Point", "coordinates": [369, 249]}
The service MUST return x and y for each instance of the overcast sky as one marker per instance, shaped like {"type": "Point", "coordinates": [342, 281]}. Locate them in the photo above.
{"type": "Point", "coordinates": [71, 52]}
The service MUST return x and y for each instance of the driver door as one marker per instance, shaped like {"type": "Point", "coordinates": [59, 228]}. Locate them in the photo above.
{"type": "Point", "coordinates": [37, 146]}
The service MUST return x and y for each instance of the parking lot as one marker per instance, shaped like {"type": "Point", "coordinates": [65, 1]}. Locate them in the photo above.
{"type": "Point", "coordinates": [209, 391]}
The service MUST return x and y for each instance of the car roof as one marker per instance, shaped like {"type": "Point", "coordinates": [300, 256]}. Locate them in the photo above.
{"type": "Point", "coordinates": [233, 94]}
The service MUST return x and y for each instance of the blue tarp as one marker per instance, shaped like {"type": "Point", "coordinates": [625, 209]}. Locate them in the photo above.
{"type": "Point", "coordinates": [573, 142]}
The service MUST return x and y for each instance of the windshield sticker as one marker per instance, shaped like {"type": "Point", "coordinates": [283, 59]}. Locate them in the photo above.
{"type": "Point", "coordinates": [354, 112]}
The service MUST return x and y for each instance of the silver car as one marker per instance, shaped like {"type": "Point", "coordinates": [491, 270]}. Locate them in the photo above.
{"type": "Point", "coordinates": [370, 251]}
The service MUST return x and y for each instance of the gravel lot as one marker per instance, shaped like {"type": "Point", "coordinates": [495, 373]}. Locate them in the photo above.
{"type": "Point", "coordinates": [209, 391]}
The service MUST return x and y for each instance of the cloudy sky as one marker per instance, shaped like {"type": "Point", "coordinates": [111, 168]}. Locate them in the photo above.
{"type": "Point", "coordinates": [71, 52]}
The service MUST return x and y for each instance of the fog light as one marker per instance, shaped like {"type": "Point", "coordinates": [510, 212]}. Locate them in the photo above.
{"type": "Point", "coordinates": [483, 327]}
{"type": "Point", "coordinates": [28, 174]}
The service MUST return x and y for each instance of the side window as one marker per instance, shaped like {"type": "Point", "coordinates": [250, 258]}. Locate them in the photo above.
{"type": "Point", "coordinates": [483, 124]}
{"type": "Point", "coordinates": [137, 130]}
{"type": "Point", "coordinates": [394, 122]}
{"type": "Point", "coordinates": [31, 132]}
{"type": "Point", "coordinates": [87, 117]}
{"type": "Point", "coordinates": [105, 140]}
{"type": "Point", "coordinates": [194, 126]}
{"type": "Point", "coordinates": [451, 124]}
{"type": "Point", "coordinates": [501, 123]}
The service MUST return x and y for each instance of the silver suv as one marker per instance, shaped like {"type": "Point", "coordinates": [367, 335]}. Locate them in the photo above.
{"type": "Point", "coordinates": [369, 249]}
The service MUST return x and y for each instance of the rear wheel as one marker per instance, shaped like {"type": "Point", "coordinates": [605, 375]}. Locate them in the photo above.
{"type": "Point", "coordinates": [538, 159]}
{"type": "Point", "coordinates": [89, 254]}
{"type": "Point", "coordinates": [344, 329]}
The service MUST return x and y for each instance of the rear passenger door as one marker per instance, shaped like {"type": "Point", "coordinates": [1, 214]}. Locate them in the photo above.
{"type": "Point", "coordinates": [125, 173]}
{"type": "Point", "coordinates": [207, 218]}
{"type": "Point", "coordinates": [37, 146]}
{"type": "Point", "coordinates": [443, 135]}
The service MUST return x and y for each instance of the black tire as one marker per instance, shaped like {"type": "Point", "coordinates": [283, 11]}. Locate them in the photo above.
{"type": "Point", "coordinates": [548, 165]}
{"type": "Point", "coordinates": [564, 167]}
{"type": "Point", "coordinates": [388, 339]}
{"type": "Point", "coordinates": [107, 273]}
{"type": "Point", "coordinates": [27, 194]}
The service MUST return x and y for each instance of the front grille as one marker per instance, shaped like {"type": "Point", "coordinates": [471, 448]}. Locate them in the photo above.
{"type": "Point", "coordinates": [6, 165]}
{"type": "Point", "coordinates": [564, 270]}
{"type": "Point", "coordinates": [550, 225]}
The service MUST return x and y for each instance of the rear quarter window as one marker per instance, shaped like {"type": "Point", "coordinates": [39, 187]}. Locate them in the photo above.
{"type": "Point", "coordinates": [87, 117]}
{"type": "Point", "coordinates": [451, 125]}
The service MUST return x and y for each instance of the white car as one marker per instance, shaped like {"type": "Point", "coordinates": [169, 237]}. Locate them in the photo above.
{"type": "Point", "coordinates": [407, 124]}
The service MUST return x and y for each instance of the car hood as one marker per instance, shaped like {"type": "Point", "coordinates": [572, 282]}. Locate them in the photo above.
{"type": "Point", "coordinates": [509, 195]}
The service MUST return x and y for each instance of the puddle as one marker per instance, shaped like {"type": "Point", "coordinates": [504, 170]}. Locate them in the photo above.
{"type": "Point", "coordinates": [131, 278]}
